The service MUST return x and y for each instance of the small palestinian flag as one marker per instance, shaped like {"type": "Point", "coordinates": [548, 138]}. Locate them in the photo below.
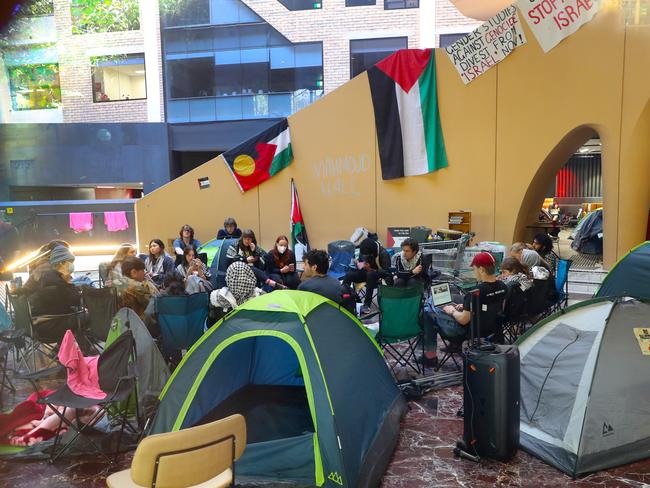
{"type": "Point", "coordinates": [260, 157]}
{"type": "Point", "coordinates": [405, 100]}
{"type": "Point", "coordinates": [298, 230]}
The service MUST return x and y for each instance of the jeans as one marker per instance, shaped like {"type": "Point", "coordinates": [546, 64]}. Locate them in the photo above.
{"type": "Point", "coordinates": [371, 278]}
{"type": "Point", "coordinates": [437, 321]}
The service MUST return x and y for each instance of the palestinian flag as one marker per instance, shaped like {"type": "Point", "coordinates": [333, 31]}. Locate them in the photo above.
{"type": "Point", "coordinates": [260, 157]}
{"type": "Point", "coordinates": [298, 231]}
{"type": "Point", "coordinates": [405, 100]}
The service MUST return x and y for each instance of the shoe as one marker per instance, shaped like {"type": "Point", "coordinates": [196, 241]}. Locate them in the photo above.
{"type": "Point", "coordinates": [365, 310]}
{"type": "Point", "coordinates": [427, 362]}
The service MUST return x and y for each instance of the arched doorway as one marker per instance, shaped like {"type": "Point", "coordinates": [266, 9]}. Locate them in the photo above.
{"type": "Point", "coordinates": [567, 186]}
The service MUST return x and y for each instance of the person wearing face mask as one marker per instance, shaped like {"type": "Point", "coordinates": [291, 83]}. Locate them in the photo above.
{"type": "Point", "coordinates": [247, 251]}
{"type": "Point", "coordinates": [55, 294]}
{"type": "Point", "coordinates": [280, 264]}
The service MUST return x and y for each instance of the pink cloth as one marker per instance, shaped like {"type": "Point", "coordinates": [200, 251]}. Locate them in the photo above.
{"type": "Point", "coordinates": [81, 221]}
{"type": "Point", "coordinates": [83, 378]}
{"type": "Point", "coordinates": [116, 221]}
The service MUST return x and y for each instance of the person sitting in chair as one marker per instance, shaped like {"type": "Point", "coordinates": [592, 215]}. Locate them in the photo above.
{"type": "Point", "coordinates": [54, 294]}
{"type": "Point", "coordinates": [528, 257]}
{"type": "Point", "coordinates": [453, 320]}
{"type": "Point", "coordinates": [134, 290]}
{"type": "Point", "coordinates": [543, 244]}
{"type": "Point", "coordinates": [373, 265]}
{"type": "Point", "coordinates": [411, 266]}
{"type": "Point", "coordinates": [280, 264]}
{"type": "Point", "coordinates": [247, 251]}
{"type": "Point", "coordinates": [316, 279]}
{"type": "Point", "coordinates": [230, 230]}
{"type": "Point", "coordinates": [193, 272]}
{"type": "Point", "coordinates": [185, 238]}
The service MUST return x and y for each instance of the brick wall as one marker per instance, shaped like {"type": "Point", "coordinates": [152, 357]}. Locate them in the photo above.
{"type": "Point", "coordinates": [335, 25]}
{"type": "Point", "coordinates": [450, 21]}
{"type": "Point", "coordinates": [75, 51]}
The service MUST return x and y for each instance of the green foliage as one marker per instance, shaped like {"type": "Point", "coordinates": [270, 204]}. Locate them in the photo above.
{"type": "Point", "coordinates": [35, 86]}
{"type": "Point", "coordinates": [36, 8]}
{"type": "Point", "coordinates": [90, 16]}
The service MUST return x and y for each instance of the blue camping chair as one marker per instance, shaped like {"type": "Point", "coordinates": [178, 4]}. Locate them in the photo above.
{"type": "Point", "coordinates": [562, 284]}
{"type": "Point", "coordinates": [182, 319]}
{"type": "Point", "coordinates": [341, 255]}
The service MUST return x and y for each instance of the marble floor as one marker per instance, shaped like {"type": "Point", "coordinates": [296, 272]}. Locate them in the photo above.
{"type": "Point", "coordinates": [423, 458]}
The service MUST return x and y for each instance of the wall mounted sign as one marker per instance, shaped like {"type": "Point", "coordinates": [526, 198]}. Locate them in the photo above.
{"type": "Point", "coordinates": [487, 45]}
{"type": "Point", "coordinates": [204, 183]}
{"type": "Point", "coordinates": [554, 20]}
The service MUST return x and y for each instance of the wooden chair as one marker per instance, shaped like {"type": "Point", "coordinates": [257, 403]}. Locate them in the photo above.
{"type": "Point", "coordinates": [202, 455]}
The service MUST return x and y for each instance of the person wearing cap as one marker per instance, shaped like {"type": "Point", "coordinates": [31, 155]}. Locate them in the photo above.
{"type": "Point", "coordinates": [230, 230]}
{"type": "Point", "coordinates": [54, 293]}
{"type": "Point", "coordinates": [454, 319]}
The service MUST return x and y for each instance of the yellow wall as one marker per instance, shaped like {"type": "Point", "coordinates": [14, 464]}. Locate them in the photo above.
{"type": "Point", "coordinates": [507, 134]}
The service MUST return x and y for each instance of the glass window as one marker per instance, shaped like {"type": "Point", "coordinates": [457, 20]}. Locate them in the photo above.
{"type": "Point", "coordinates": [396, 4]}
{"type": "Point", "coordinates": [365, 53]}
{"type": "Point", "coordinates": [184, 12]}
{"type": "Point", "coordinates": [35, 8]}
{"type": "Point", "coordinates": [191, 77]}
{"type": "Point", "coordinates": [101, 16]}
{"type": "Point", "coordinates": [359, 3]}
{"type": "Point", "coordinates": [447, 40]}
{"type": "Point", "coordinates": [119, 77]}
{"type": "Point", "coordinates": [302, 4]}
{"type": "Point", "coordinates": [35, 87]}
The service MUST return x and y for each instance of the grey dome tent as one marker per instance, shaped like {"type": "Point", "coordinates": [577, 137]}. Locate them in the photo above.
{"type": "Point", "coordinates": [585, 402]}
{"type": "Point", "coordinates": [320, 404]}
{"type": "Point", "coordinates": [630, 276]}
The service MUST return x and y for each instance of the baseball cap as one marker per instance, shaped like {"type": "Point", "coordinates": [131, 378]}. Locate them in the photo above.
{"type": "Point", "coordinates": [483, 259]}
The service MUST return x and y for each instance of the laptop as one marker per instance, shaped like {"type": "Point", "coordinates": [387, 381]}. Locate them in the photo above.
{"type": "Point", "coordinates": [440, 294]}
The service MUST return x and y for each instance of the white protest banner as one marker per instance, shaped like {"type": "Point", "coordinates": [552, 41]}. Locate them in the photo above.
{"type": "Point", "coordinates": [554, 20]}
{"type": "Point", "coordinates": [487, 45]}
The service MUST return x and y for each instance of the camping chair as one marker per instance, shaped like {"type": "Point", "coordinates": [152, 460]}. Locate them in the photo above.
{"type": "Point", "coordinates": [513, 312]}
{"type": "Point", "coordinates": [182, 319]}
{"type": "Point", "coordinates": [400, 313]}
{"type": "Point", "coordinates": [199, 456]}
{"type": "Point", "coordinates": [5, 381]}
{"type": "Point", "coordinates": [562, 284]}
{"type": "Point", "coordinates": [101, 304]}
{"type": "Point", "coordinates": [115, 379]}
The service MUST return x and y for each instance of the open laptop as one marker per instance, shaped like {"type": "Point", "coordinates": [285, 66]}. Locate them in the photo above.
{"type": "Point", "coordinates": [441, 294]}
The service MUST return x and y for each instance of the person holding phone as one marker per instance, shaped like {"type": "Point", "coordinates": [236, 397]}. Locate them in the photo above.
{"type": "Point", "coordinates": [193, 272]}
{"type": "Point", "coordinates": [280, 264]}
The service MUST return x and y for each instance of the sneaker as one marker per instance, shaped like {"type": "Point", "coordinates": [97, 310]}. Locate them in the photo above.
{"type": "Point", "coordinates": [428, 362]}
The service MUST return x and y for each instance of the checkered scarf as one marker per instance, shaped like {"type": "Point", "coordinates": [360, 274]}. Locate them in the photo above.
{"type": "Point", "coordinates": [241, 281]}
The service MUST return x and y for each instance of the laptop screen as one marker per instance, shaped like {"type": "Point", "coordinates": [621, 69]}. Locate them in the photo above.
{"type": "Point", "coordinates": [441, 294]}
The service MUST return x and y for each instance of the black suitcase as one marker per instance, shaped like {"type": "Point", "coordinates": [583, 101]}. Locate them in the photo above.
{"type": "Point", "coordinates": [491, 401]}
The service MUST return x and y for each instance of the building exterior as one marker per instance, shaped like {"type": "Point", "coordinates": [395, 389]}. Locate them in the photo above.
{"type": "Point", "coordinates": [60, 65]}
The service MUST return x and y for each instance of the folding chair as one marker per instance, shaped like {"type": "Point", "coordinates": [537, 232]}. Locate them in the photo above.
{"type": "Point", "coordinates": [562, 284]}
{"type": "Point", "coordinates": [5, 381]}
{"type": "Point", "coordinates": [513, 312]}
{"type": "Point", "coordinates": [116, 379]}
{"type": "Point", "coordinates": [182, 319]}
{"type": "Point", "coordinates": [452, 347]}
{"type": "Point", "coordinates": [101, 304]}
{"type": "Point", "coordinates": [400, 314]}
{"type": "Point", "coordinates": [204, 455]}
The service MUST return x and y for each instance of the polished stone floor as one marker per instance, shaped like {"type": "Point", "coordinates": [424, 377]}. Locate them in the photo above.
{"type": "Point", "coordinates": [423, 458]}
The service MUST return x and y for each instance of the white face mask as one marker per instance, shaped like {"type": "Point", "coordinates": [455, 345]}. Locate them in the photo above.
{"type": "Point", "coordinates": [282, 249]}
{"type": "Point", "coordinates": [70, 267]}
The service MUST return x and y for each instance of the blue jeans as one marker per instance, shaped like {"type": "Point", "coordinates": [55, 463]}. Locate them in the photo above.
{"type": "Point", "coordinates": [437, 321]}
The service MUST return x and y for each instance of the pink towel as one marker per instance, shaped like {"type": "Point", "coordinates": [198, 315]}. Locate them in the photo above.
{"type": "Point", "coordinates": [116, 221]}
{"type": "Point", "coordinates": [81, 221]}
{"type": "Point", "coordinates": [83, 378]}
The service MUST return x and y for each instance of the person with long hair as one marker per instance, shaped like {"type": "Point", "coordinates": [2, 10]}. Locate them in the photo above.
{"type": "Point", "coordinates": [185, 238]}
{"type": "Point", "coordinates": [247, 251]}
{"type": "Point", "coordinates": [193, 272]}
{"type": "Point", "coordinates": [158, 263]}
{"type": "Point", "coordinates": [513, 272]}
{"type": "Point", "coordinates": [114, 268]}
{"type": "Point", "coordinates": [280, 264]}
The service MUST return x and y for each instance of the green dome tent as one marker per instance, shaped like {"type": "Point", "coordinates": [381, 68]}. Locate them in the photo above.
{"type": "Point", "coordinates": [585, 404]}
{"type": "Point", "coordinates": [320, 404]}
{"type": "Point", "coordinates": [630, 276]}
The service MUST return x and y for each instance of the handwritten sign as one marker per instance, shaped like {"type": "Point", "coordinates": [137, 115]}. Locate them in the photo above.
{"type": "Point", "coordinates": [554, 20]}
{"type": "Point", "coordinates": [489, 44]}
{"type": "Point", "coordinates": [341, 175]}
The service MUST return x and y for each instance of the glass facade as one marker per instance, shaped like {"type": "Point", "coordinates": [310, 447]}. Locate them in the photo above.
{"type": "Point", "coordinates": [399, 4]}
{"type": "Point", "coordinates": [447, 40]}
{"type": "Point", "coordinates": [234, 65]}
{"type": "Point", "coordinates": [359, 3]}
{"type": "Point", "coordinates": [118, 77]}
{"type": "Point", "coordinates": [365, 53]}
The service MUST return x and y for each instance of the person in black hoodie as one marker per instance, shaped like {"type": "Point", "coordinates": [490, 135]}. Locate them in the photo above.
{"type": "Point", "coordinates": [373, 265]}
{"type": "Point", "coordinates": [55, 294]}
{"type": "Point", "coordinates": [230, 230]}
{"type": "Point", "coordinates": [280, 264]}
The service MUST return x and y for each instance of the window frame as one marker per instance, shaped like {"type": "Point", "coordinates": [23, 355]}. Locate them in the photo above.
{"type": "Point", "coordinates": [92, 79]}
{"type": "Point", "coordinates": [402, 8]}
{"type": "Point", "coordinates": [373, 4]}
{"type": "Point", "coordinates": [372, 39]}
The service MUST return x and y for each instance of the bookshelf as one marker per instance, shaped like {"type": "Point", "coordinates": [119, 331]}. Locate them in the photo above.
{"type": "Point", "coordinates": [460, 221]}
